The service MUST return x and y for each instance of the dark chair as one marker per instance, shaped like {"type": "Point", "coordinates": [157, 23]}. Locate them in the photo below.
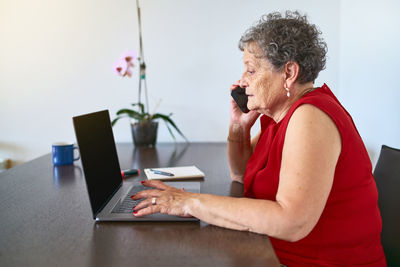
{"type": "Point", "coordinates": [387, 177]}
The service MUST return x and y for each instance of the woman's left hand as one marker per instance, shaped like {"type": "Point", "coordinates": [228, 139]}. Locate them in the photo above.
{"type": "Point", "coordinates": [168, 200]}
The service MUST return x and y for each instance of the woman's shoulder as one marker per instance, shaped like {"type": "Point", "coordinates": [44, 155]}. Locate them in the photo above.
{"type": "Point", "coordinates": [321, 96]}
{"type": "Point", "coordinates": [324, 100]}
{"type": "Point", "coordinates": [309, 117]}
{"type": "Point", "coordinates": [322, 107]}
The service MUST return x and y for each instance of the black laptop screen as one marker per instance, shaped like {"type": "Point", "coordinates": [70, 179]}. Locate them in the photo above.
{"type": "Point", "coordinates": [99, 157]}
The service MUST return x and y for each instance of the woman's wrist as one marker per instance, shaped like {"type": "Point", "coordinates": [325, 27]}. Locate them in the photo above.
{"type": "Point", "coordinates": [237, 177]}
{"type": "Point", "coordinates": [229, 139]}
{"type": "Point", "coordinates": [192, 204]}
{"type": "Point", "coordinates": [238, 133]}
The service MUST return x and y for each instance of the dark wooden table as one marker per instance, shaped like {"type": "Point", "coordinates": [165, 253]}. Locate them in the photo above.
{"type": "Point", "coordinates": [46, 220]}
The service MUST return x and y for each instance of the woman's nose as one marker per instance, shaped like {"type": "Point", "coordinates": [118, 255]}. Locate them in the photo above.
{"type": "Point", "coordinates": [243, 83]}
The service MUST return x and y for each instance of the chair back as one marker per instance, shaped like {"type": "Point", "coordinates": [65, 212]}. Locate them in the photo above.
{"type": "Point", "coordinates": [387, 177]}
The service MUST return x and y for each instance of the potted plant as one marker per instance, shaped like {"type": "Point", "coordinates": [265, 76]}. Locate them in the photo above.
{"type": "Point", "coordinates": [144, 125]}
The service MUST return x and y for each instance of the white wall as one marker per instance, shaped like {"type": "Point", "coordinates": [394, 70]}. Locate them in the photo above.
{"type": "Point", "coordinates": [369, 70]}
{"type": "Point", "coordinates": [56, 61]}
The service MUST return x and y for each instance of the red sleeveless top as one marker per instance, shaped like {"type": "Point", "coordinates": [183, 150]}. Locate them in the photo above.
{"type": "Point", "coordinates": [348, 231]}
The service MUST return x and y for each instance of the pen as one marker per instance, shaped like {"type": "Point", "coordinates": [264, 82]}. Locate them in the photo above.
{"type": "Point", "coordinates": [162, 173]}
{"type": "Point", "coordinates": [129, 172]}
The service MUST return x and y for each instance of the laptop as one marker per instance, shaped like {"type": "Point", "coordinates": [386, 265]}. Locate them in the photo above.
{"type": "Point", "coordinates": [109, 197]}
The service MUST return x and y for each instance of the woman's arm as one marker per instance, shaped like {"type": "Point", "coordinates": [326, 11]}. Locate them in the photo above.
{"type": "Point", "coordinates": [240, 149]}
{"type": "Point", "coordinates": [311, 149]}
{"type": "Point", "coordinates": [240, 144]}
{"type": "Point", "coordinates": [310, 153]}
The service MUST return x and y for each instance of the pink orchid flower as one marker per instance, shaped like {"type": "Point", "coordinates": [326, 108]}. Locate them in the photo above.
{"type": "Point", "coordinates": [120, 67]}
{"type": "Point", "coordinates": [128, 72]}
{"type": "Point", "coordinates": [123, 66]}
{"type": "Point", "coordinates": [129, 56]}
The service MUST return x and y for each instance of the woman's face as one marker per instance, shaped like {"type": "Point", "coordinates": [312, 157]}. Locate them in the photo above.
{"type": "Point", "coordinates": [264, 85]}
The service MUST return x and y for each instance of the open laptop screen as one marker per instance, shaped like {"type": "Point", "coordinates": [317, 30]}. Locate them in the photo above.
{"type": "Point", "coordinates": [99, 157]}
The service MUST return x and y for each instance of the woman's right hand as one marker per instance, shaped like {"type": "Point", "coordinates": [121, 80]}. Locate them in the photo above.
{"type": "Point", "coordinates": [245, 120]}
{"type": "Point", "coordinates": [239, 139]}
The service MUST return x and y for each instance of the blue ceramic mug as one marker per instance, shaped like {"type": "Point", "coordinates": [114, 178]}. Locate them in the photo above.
{"type": "Point", "coordinates": [63, 153]}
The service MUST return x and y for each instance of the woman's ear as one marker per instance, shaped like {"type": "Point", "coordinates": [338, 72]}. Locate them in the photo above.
{"type": "Point", "coordinates": [291, 72]}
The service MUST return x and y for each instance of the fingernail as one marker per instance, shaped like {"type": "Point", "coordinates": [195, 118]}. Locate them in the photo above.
{"type": "Point", "coordinates": [132, 196]}
{"type": "Point", "coordinates": [133, 208]}
{"type": "Point", "coordinates": [183, 189]}
{"type": "Point", "coordinates": [142, 182]}
{"type": "Point", "coordinates": [135, 212]}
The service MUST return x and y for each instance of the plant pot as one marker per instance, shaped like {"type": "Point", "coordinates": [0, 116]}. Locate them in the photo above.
{"type": "Point", "coordinates": [144, 133]}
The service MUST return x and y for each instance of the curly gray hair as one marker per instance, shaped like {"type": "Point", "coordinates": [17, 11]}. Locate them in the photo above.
{"type": "Point", "coordinates": [289, 38]}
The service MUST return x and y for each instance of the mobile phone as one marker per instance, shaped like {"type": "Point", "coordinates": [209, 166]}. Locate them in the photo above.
{"type": "Point", "coordinates": [240, 97]}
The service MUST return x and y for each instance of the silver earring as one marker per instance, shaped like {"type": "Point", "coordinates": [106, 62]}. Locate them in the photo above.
{"type": "Point", "coordinates": [287, 92]}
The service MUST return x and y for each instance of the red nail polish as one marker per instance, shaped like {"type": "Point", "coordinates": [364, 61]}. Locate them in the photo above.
{"type": "Point", "coordinates": [142, 182]}
{"type": "Point", "coordinates": [133, 208]}
{"type": "Point", "coordinates": [132, 196]}
{"type": "Point", "coordinates": [135, 212]}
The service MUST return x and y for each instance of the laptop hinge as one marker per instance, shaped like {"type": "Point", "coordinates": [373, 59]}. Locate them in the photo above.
{"type": "Point", "coordinates": [106, 202]}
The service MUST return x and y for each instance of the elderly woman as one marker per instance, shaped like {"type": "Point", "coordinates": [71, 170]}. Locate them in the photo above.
{"type": "Point", "coordinates": [307, 178]}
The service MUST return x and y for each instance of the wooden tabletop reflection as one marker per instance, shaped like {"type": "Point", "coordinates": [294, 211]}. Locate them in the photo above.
{"type": "Point", "coordinates": [46, 217]}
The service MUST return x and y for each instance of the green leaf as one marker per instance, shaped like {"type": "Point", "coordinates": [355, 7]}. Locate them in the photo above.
{"type": "Point", "coordinates": [130, 113]}
{"type": "Point", "coordinates": [170, 131]}
{"type": "Point", "coordinates": [168, 120]}
{"type": "Point", "coordinates": [141, 116]}
{"type": "Point", "coordinates": [133, 114]}
{"type": "Point", "coordinates": [141, 107]}
{"type": "Point", "coordinates": [161, 116]}
{"type": "Point", "coordinates": [115, 121]}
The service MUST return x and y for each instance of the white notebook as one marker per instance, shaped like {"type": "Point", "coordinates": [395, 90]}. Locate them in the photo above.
{"type": "Point", "coordinates": [179, 173]}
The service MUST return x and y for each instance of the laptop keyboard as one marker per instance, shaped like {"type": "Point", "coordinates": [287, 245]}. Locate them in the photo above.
{"type": "Point", "coordinates": [127, 204]}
